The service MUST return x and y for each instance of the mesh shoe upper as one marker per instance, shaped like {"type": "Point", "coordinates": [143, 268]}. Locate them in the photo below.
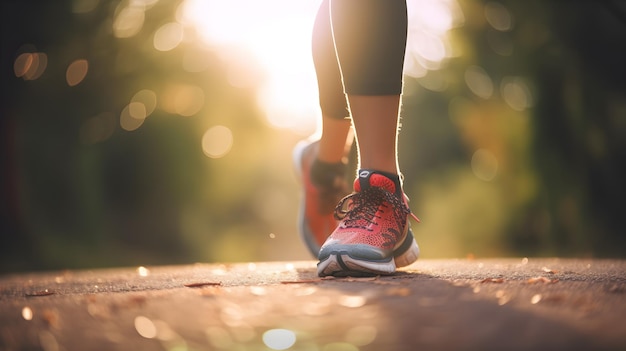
{"type": "Point", "coordinates": [373, 219]}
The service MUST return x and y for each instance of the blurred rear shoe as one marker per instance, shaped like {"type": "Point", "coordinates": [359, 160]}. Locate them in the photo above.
{"type": "Point", "coordinates": [323, 185]}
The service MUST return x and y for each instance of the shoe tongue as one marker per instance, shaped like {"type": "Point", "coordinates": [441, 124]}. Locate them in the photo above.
{"type": "Point", "coordinates": [368, 178]}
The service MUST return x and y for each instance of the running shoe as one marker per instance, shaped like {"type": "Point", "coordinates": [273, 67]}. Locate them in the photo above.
{"type": "Point", "coordinates": [321, 193]}
{"type": "Point", "coordinates": [374, 235]}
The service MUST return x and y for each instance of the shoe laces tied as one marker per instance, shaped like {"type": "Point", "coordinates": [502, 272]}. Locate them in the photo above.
{"type": "Point", "coordinates": [360, 209]}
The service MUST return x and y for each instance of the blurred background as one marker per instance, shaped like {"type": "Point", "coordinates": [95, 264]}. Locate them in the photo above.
{"type": "Point", "coordinates": [145, 132]}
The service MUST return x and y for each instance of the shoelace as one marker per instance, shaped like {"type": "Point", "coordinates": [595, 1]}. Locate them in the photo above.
{"type": "Point", "coordinates": [364, 205]}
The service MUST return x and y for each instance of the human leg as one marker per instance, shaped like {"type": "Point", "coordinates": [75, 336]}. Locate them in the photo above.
{"type": "Point", "coordinates": [322, 164]}
{"type": "Point", "coordinates": [374, 235]}
{"type": "Point", "coordinates": [336, 137]}
{"type": "Point", "coordinates": [376, 121]}
{"type": "Point", "coordinates": [370, 42]}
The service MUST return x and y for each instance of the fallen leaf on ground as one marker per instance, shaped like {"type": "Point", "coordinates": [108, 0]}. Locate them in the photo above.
{"type": "Point", "coordinates": [492, 280]}
{"type": "Point", "coordinates": [45, 292]}
{"type": "Point", "coordinates": [199, 285]}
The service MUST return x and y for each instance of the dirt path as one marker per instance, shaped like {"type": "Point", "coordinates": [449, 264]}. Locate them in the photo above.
{"type": "Point", "coordinates": [495, 304]}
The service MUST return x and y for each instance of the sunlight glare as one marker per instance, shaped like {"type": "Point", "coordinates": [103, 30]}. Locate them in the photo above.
{"type": "Point", "coordinates": [436, 15]}
{"type": "Point", "coordinates": [275, 35]}
{"type": "Point", "coordinates": [428, 43]}
{"type": "Point", "coordinates": [430, 47]}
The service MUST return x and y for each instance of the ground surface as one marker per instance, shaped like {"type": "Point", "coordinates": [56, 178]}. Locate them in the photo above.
{"type": "Point", "coordinates": [495, 304]}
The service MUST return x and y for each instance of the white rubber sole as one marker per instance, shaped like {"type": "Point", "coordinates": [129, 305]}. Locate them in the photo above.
{"type": "Point", "coordinates": [341, 264]}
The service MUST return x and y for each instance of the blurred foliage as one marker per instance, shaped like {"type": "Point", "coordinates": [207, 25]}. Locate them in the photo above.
{"type": "Point", "coordinates": [514, 147]}
{"type": "Point", "coordinates": [560, 162]}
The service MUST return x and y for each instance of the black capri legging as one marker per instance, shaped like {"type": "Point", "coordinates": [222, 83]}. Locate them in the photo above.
{"type": "Point", "coordinates": [358, 49]}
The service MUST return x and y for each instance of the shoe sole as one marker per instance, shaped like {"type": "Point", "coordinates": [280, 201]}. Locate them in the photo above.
{"type": "Point", "coordinates": [344, 261]}
{"type": "Point", "coordinates": [340, 264]}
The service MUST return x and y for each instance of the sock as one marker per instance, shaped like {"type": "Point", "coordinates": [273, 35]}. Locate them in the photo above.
{"type": "Point", "coordinates": [389, 181]}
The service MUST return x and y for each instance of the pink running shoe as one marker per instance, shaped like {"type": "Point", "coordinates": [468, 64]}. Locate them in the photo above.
{"type": "Point", "coordinates": [374, 235]}
{"type": "Point", "coordinates": [316, 219]}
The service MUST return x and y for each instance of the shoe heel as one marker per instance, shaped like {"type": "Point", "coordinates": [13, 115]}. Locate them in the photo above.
{"type": "Point", "coordinates": [408, 251]}
{"type": "Point", "coordinates": [409, 256]}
